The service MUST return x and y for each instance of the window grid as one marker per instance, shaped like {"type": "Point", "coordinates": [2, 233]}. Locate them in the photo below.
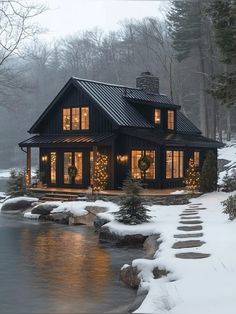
{"type": "Point", "coordinates": [196, 159]}
{"type": "Point", "coordinates": [76, 118]}
{"type": "Point", "coordinates": [150, 173]}
{"type": "Point", "coordinates": [170, 119]}
{"type": "Point", "coordinates": [174, 164]}
{"type": "Point", "coordinates": [157, 116]}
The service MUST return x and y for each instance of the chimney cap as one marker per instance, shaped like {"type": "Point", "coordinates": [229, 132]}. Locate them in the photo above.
{"type": "Point", "coordinates": [147, 73]}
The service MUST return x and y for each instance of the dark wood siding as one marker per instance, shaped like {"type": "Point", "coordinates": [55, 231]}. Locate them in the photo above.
{"type": "Point", "coordinates": [72, 98]}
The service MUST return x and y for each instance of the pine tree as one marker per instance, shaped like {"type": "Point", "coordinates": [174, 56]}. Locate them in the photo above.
{"type": "Point", "coordinates": [208, 178]}
{"type": "Point", "coordinates": [192, 179]}
{"type": "Point", "coordinates": [132, 211]}
{"type": "Point", "coordinates": [100, 175]}
{"type": "Point", "coordinates": [16, 183]}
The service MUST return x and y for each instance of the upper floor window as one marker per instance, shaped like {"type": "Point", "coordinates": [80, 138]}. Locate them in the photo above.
{"type": "Point", "coordinates": [157, 116]}
{"type": "Point", "coordinates": [76, 118]}
{"type": "Point", "coordinates": [170, 119]}
{"type": "Point", "coordinates": [196, 159]}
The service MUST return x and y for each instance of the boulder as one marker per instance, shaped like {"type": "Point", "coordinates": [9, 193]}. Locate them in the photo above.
{"type": "Point", "coordinates": [18, 204]}
{"type": "Point", "coordinates": [87, 219]}
{"type": "Point", "coordinates": [99, 222]}
{"type": "Point", "coordinates": [61, 218]}
{"type": "Point", "coordinates": [129, 275]}
{"type": "Point", "coordinates": [43, 208]}
{"type": "Point", "coordinates": [134, 240]}
{"type": "Point", "coordinates": [151, 244]}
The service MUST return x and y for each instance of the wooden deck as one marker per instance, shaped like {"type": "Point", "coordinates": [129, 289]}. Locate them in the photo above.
{"type": "Point", "coordinates": [146, 192]}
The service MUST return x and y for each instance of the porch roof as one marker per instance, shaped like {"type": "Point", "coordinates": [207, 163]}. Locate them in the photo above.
{"type": "Point", "coordinates": [55, 139]}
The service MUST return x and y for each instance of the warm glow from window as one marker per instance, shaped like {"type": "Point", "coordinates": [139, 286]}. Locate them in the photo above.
{"type": "Point", "coordinates": [66, 119]}
{"type": "Point", "coordinates": [157, 116]}
{"type": "Point", "coordinates": [84, 118]}
{"type": "Point", "coordinates": [53, 166]}
{"type": "Point", "coordinates": [76, 118]}
{"type": "Point", "coordinates": [67, 164]}
{"type": "Point", "coordinates": [170, 119]}
{"type": "Point", "coordinates": [135, 171]}
{"type": "Point", "coordinates": [196, 158]}
{"type": "Point", "coordinates": [79, 167]}
{"type": "Point", "coordinates": [174, 164]}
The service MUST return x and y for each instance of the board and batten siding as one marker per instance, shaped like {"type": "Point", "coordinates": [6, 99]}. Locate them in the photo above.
{"type": "Point", "coordinates": [75, 98]}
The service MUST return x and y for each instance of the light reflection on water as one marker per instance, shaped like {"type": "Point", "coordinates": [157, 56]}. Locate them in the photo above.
{"type": "Point", "coordinates": [49, 268]}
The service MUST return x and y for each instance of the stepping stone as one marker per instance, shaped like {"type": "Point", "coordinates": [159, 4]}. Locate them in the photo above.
{"type": "Point", "coordinates": [195, 204]}
{"type": "Point", "coordinates": [191, 222]}
{"type": "Point", "coordinates": [188, 235]}
{"type": "Point", "coordinates": [191, 217]}
{"type": "Point", "coordinates": [197, 208]}
{"type": "Point", "coordinates": [187, 244]}
{"type": "Point", "coordinates": [192, 213]}
{"type": "Point", "coordinates": [188, 214]}
{"type": "Point", "coordinates": [190, 228]}
{"type": "Point", "coordinates": [192, 255]}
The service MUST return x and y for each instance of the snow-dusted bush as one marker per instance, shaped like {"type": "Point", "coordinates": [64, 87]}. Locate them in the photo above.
{"type": "Point", "coordinates": [230, 207]}
{"type": "Point", "coordinates": [132, 211]}
{"type": "Point", "coordinates": [229, 182]}
{"type": "Point", "coordinates": [208, 177]}
{"type": "Point", "coordinates": [16, 183]}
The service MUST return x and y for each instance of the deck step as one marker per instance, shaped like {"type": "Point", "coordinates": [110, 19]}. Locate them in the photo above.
{"type": "Point", "coordinates": [62, 199]}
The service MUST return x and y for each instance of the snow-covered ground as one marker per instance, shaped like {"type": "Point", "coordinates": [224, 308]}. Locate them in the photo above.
{"type": "Point", "coordinates": [228, 153]}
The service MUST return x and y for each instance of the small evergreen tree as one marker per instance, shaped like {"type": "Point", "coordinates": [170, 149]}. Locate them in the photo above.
{"type": "Point", "coordinates": [100, 175]}
{"type": "Point", "coordinates": [16, 183]}
{"type": "Point", "coordinates": [229, 182]}
{"type": "Point", "coordinates": [192, 179]}
{"type": "Point", "coordinates": [230, 207]}
{"type": "Point", "coordinates": [132, 211]}
{"type": "Point", "coordinates": [208, 178]}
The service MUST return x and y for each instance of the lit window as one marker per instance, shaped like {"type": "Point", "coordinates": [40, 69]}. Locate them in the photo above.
{"type": "Point", "coordinates": [84, 118]}
{"type": "Point", "coordinates": [157, 116]}
{"type": "Point", "coordinates": [66, 119]}
{"type": "Point", "coordinates": [196, 158]}
{"type": "Point", "coordinates": [170, 119]}
{"type": "Point", "coordinates": [67, 164]}
{"type": "Point", "coordinates": [75, 118]}
{"type": "Point", "coordinates": [135, 170]}
{"type": "Point", "coordinates": [53, 167]}
{"type": "Point", "coordinates": [174, 164]}
{"type": "Point", "coordinates": [78, 165]}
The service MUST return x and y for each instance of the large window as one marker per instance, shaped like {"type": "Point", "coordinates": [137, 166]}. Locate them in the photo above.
{"type": "Point", "coordinates": [157, 116]}
{"type": "Point", "coordinates": [73, 159]}
{"type": "Point", "coordinates": [53, 167]}
{"type": "Point", "coordinates": [174, 164]}
{"type": "Point", "coordinates": [78, 165]}
{"type": "Point", "coordinates": [67, 164]}
{"type": "Point", "coordinates": [170, 119]}
{"type": "Point", "coordinates": [136, 171]}
{"type": "Point", "coordinates": [76, 118]}
{"type": "Point", "coordinates": [196, 159]}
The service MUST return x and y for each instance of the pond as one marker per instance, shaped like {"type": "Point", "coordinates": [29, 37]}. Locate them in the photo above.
{"type": "Point", "coordinates": [3, 184]}
{"type": "Point", "coordinates": [46, 268]}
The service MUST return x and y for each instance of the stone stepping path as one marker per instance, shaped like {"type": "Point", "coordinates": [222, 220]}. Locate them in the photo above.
{"type": "Point", "coordinates": [190, 217]}
{"type": "Point", "coordinates": [187, 244]}
{"type": "Point", "coordinates": [190, 228]}
{"type": "Point", "coordinates": [192, 255]}
{"type": "Point", "coordinates": [191, 222]}
{"type": "Point", "coordinates": [188, 235]}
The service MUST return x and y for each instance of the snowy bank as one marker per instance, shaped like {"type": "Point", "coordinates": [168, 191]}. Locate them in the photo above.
{"type": "Point", "coordinates": [17, 204]}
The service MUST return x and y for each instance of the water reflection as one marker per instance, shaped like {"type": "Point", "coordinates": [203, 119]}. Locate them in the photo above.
{"type": "Point", "coordinates": [66, 263]}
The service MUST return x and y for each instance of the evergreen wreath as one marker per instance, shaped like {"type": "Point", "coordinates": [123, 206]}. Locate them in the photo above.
{"type": "Point", "coordinates": [72, 171]}
{"type": "Point", "coordinates": [144, 163]}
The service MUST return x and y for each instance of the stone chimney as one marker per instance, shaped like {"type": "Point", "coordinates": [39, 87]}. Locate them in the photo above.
{"type": "Point", "coordinates": [148, 82]}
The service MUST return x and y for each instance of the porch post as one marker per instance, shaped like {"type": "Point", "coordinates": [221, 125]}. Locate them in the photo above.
{"type": "Point", "coordinates": [28, 166]}
{"type": "Point", "coordinates": [95, 153]}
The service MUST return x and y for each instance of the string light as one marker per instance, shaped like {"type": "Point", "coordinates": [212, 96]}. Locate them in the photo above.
{"type": "Point", "coordinates": [192, 179]}
{"type": "Point", "coordinates": [100, 173]}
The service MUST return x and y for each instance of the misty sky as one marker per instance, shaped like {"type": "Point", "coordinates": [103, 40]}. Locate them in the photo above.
{"type": "Point", "coordinates": [70, 16]}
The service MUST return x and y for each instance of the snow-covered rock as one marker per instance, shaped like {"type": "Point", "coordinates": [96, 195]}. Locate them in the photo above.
{"type": "Point", "coordinates": [45, 208]}
{"type": "Point", "coordinates": [18, 204]}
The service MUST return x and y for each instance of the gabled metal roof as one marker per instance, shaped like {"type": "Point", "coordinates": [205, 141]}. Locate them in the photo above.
{"type": "Point", "coordinates": [110, 98]}
{"type": "Point", "coordinates": [184, 125]}
{"type": "Point", "coordinates": [54, 139]}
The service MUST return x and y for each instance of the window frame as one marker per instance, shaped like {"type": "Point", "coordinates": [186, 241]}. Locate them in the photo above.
{"type": "Point", "coordinates": [154, 117]}
{"type": "Point", "coordinates": [144, 153]}
{"type": "Point", "coordinates": [176, 155]}
{"type": "Point", "coordinates": [170, 124]}
{"type": "Point", "coordinates": [71, 117]}
{"type": "Point", "coordinates": [196, 159]}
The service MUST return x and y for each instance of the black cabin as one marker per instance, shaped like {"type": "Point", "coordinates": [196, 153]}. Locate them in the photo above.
{"type": "Point", "coordinates": [140, 131]}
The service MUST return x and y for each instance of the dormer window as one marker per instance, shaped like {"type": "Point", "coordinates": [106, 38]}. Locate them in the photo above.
{"type": "Point", "coordinates": [76, 118]}
{"type": "Point", "coordinates": [157, 116]}
{"type": "Point", "coordinates": [170, 119]}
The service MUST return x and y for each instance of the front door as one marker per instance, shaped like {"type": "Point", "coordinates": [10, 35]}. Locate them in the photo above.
{"type": "Point", "coordinates": [74, 159]}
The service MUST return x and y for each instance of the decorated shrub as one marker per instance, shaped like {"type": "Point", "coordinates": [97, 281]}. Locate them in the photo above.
{"type": "Point", "coordinates": [230, 207]}
{"type": "Point", "coordinates": [132, 211]}
{"type": "Point", "coordinates": [192, 179]}
{"type": "Point", "coordinates": [208, 178]}
{"type": "Point", "coordinates": [100, 175]}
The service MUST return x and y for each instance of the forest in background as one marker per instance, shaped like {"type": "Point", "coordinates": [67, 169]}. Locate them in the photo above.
{"type": "Point", "coordinates": [191, 48]}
